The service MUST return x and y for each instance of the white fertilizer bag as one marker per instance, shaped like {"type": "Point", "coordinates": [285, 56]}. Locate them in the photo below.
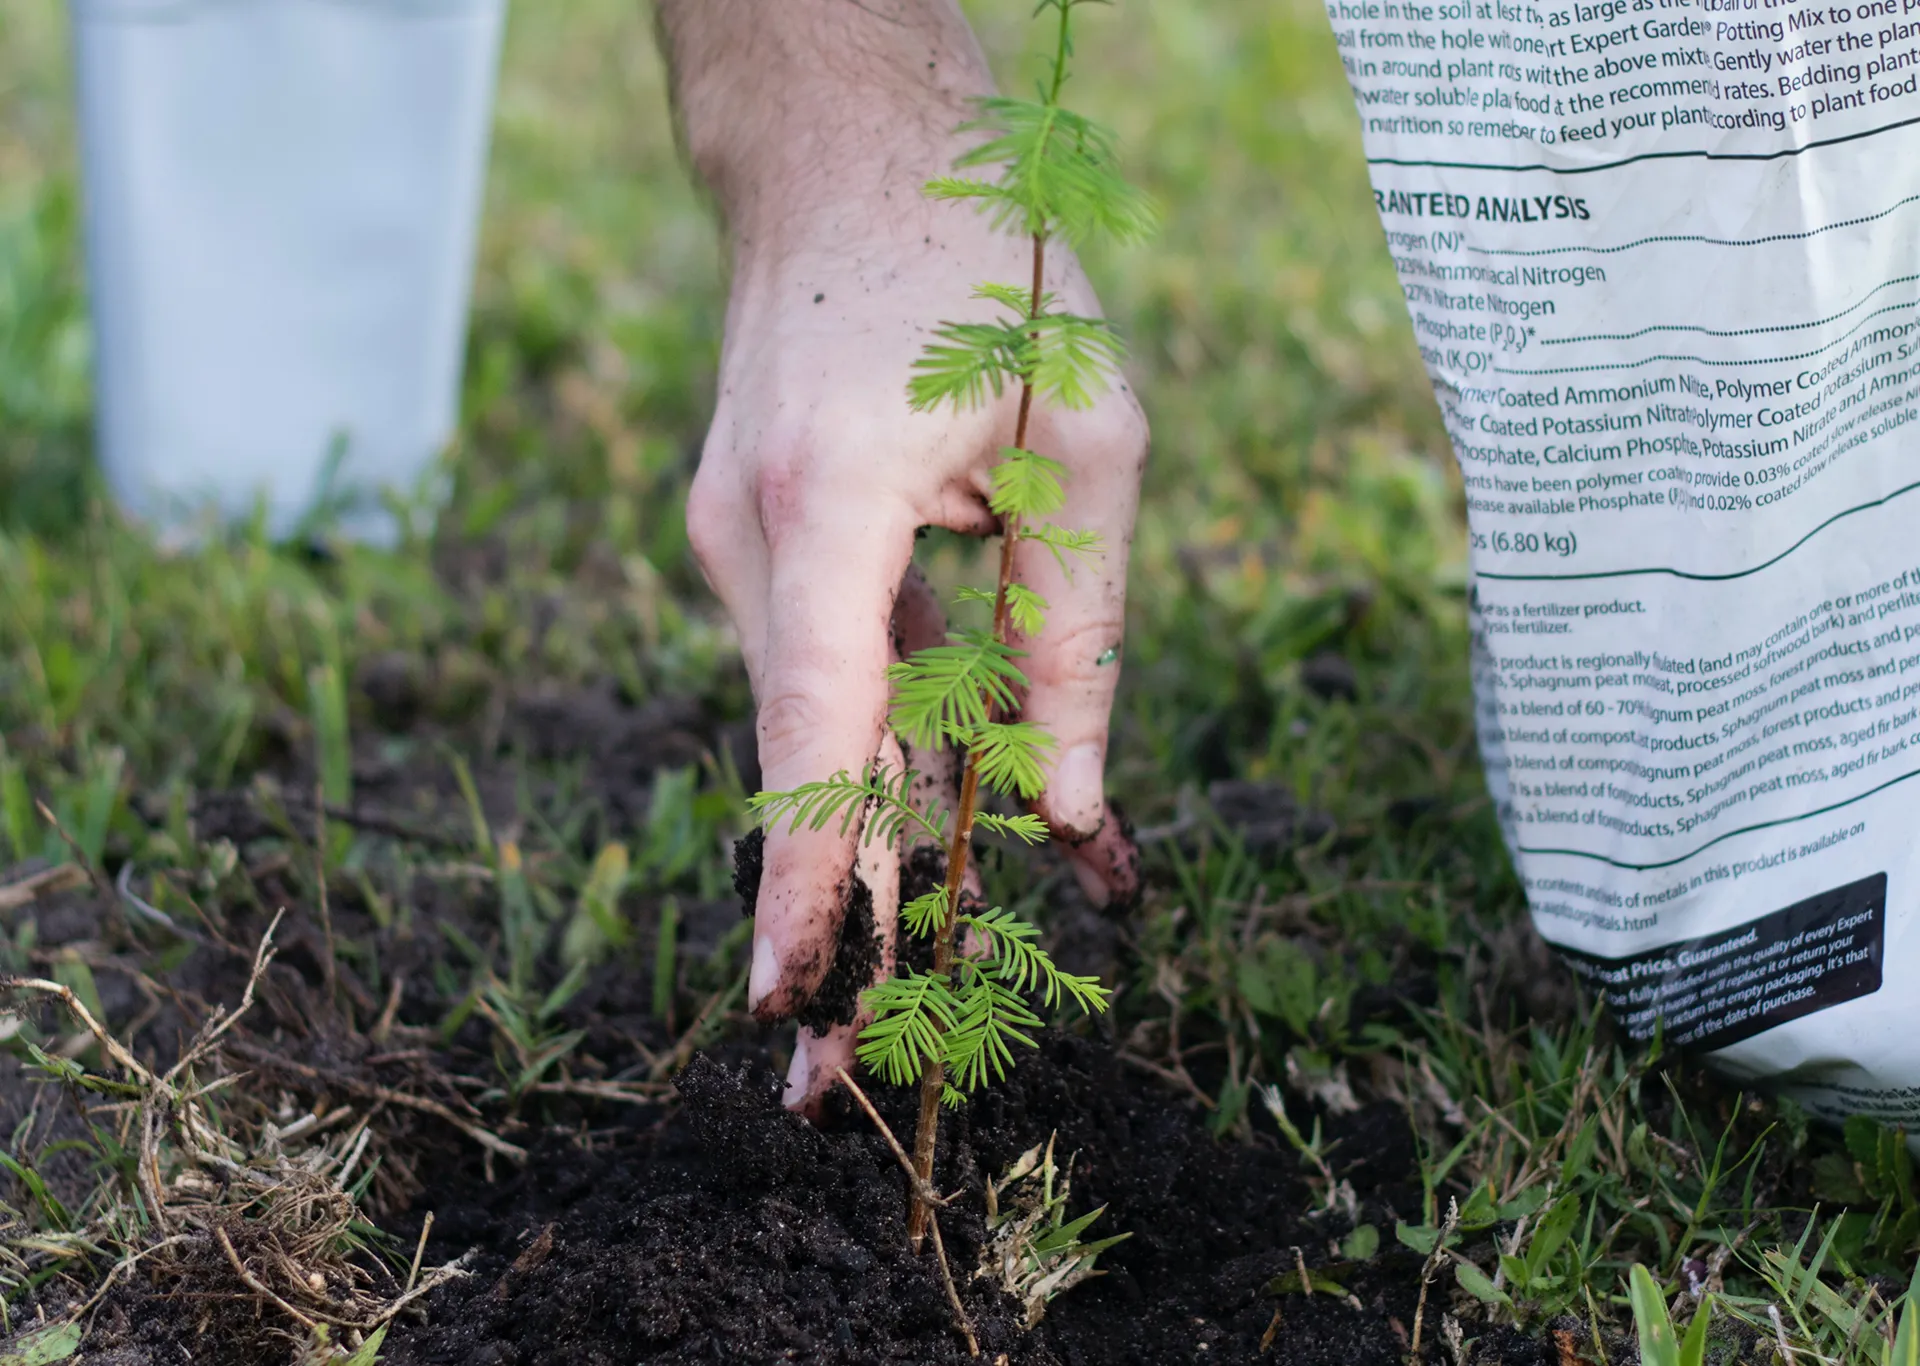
{"type": "Point", "coordinates": [1663, 261]}
{"type": "Point", "coordinates": [281, 203]}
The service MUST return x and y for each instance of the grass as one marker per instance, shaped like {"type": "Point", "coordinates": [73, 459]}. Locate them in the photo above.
{"type": "Point", "coordinates": [1299, 501]}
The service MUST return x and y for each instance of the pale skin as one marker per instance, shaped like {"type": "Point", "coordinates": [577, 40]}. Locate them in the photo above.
{"type": "Point", "coordinates": [814, 123]}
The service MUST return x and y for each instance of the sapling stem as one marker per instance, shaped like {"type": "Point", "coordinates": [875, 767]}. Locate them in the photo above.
{"type": "Point", "coordinates": [923, 1194]}
{"type": "Point", "coordinates": [933, 1081]}
{"type": "Point", "coordinates": [952, 1029]}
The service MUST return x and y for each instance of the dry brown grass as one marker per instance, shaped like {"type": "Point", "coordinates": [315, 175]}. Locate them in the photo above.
{"type": "Point", "coordinates": [225, 1190]}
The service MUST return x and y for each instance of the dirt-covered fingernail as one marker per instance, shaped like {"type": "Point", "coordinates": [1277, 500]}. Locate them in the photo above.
{"type": "Point", "coordinates": [766, 971]}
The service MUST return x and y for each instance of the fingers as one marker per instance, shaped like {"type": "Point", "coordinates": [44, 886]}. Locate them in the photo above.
{"type": "Point", "coordinates": [918, 619]}
{"type": "Point", "coordinates": [817, 1058]}
{"type": "Point", "coordinates": [819, 1054]}
{"type": "Point", "coordinates": [835, 557]}
{"type": "Point", "coordinates": [1073, 665]}
{"type": "Point", "coordinates": [918, 622]}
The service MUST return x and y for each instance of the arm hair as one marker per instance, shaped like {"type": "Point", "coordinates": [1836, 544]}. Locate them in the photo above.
{"type": "Point", "coordinates": [784, 102]}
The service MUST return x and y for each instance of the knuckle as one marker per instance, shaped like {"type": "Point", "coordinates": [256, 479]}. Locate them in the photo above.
{"type": "Point", "coordinates": [800, 712]}
{"type": "Point", "coordinates": [786, 718]}
{"type": "Point", "coordinates": [1070, 657]}
{"type": "Point", "coordinates": [784, 482]}
{"type": "Point", "coordinates": [760, 481]}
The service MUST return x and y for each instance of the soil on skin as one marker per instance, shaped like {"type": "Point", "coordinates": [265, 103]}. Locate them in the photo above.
{"type": "Point", "coordinates": [837, 999]}
{"type": "Point", "coordinates": [856, 956]}
{"type": "Point", "coordinates": [749, 863]}
{"type": "Point", "coordinates": [727, 1230]}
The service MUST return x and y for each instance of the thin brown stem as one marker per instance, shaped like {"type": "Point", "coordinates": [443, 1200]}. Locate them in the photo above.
{"type": "Point", "coordinates": [924, 1192]}
{"type": "Point", "coordinates": [1434, 1259]}
{"type": "Point", "coordinates": [257, 1286]}
{"type": "Point", "coordinates": [927, 1196]}
{"type": "Point", "coordinates": [419, 1250]}
{"type": "Point", "coordinates": [953, 1295]}
{"type": "Point", "coordinates": [271, 1060]}
{"type": "Point", "coordinates": [933, 1080]}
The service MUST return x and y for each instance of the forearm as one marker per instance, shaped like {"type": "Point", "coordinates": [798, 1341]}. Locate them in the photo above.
{"type": "Point", "coordinates": [790, 107]}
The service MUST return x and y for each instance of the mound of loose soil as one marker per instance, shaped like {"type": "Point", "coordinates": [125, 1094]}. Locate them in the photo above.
{"type": "Point", "coordinates": [727, 1230]}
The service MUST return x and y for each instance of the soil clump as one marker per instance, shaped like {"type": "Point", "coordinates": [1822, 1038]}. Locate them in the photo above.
{"type": "Point", "coordinates": [724, 1229]}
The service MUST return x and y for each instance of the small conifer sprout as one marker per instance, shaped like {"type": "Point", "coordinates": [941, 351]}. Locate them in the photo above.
{"type": "Point", "coordinates": [952, 1029]}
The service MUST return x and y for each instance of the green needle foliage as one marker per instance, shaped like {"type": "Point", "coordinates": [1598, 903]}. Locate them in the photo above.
{"type": "Point", "coordinates": [953, 1029]}
{"type": "Point", "coordinates": [881, 799]}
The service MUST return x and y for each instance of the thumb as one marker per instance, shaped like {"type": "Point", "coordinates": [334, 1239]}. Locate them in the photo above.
{"type": "Point", "coordinates": [834, 564]}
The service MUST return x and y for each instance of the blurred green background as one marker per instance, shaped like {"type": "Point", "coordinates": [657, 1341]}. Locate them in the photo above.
{"type": "Point", "coordinates": [1299, 491]}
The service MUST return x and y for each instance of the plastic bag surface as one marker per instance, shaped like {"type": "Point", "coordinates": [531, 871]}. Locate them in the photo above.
{"type": "Point", "coordinates": [1663, 261]}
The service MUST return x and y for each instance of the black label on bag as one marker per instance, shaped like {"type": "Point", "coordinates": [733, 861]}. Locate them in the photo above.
{"type": "Point", "coordinates": [1729, 986]}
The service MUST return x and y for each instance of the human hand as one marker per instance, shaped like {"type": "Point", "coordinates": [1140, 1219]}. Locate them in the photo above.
{"type": "Point", "coordinates": [814, 478]}
{"type": "Point", "coordinates": [816, 475]}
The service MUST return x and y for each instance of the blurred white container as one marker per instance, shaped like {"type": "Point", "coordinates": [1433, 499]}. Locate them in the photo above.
{"type": "Point", "coordinates": [282, 199]}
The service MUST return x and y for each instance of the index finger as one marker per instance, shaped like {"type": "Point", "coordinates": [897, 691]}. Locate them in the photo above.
{"type": "Point", "coordinates": [836, 558]}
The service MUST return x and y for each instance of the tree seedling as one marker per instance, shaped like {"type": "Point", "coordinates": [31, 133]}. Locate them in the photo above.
{"type": "Point", "coordinates": [951, 1028]}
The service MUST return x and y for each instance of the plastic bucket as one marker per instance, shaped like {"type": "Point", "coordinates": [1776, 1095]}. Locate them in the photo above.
{"type": "Point", "coordinates": [282, 199]}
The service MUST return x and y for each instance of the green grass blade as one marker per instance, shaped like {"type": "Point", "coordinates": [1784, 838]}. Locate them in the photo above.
{"type": "Point", "coordinates": [1650, 1318]}
{"type": "Point", "coordinates": [665, 958]}
{"type": "Point", "coordinates": [1693, 1349]}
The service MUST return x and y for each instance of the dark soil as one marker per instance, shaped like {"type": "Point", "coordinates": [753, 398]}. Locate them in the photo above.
{"type": "Point", "coordinates": [837, 999]}
{"type": "Point", "coordinates": [1265, 817]}
{"type": "Point", "coordinates": [727, 1230]}
{"type": "Point", "coordinates": [716, 1227]}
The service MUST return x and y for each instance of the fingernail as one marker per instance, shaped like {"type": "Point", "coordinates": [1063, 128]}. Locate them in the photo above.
{"type": "Point", "coordinates": [766, 972]}
{"type": "Point", "coordinates": [799, 1072]}
{"type": "Point", "coordinates": [1076, 799]}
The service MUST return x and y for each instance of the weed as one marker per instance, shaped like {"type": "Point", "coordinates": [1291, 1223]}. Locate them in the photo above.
{"type": "Point", "coordinates": [1874, 1173]}
{"type": "Point", "coordinates": [1852, 1324]}
{"type": "Point", "coordinates": [194, 1181]}
{"type": "Point", "coordinates": [1801, 1316]}
{"type": "Point", "coordinates": [531, 1043]}
{"type": "Point", "coordinates": [1658, 1345]}
{"type": "Point", "coordinates": [41, 1346]}
{"type": "Point", "coordinates": [1033, 1250]}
